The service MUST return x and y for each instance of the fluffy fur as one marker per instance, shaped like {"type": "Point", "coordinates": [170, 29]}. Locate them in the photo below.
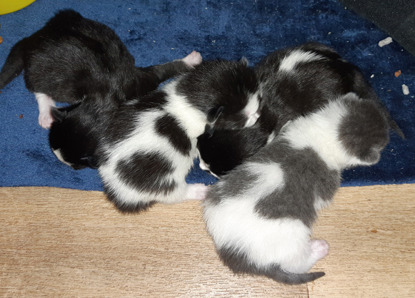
{"type": "Point", "coordinates": [74, 134]}
{"type": "Point", "coordinates": [294, 82]}
{"type": "Point", "coordinates": [73, 59]}
{"type": "Point", "coordinates": [260, 215]}
{"type": "Point", "coordinates": [149, 147]}
{"type": "Point", "coordinates": [84, 63]}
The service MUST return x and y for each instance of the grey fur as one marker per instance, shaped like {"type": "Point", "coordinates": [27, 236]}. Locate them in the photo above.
{"type": "Point", "coordinates": [352, 131]}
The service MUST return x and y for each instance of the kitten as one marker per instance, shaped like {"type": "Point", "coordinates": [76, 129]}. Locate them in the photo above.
{"type": "Point", "coordinates": [73, 136]}
{"type": "Point", "coordinates": [260, 215]}
{"type": "Point", "coordinates": [74, 59]}
{"type": "Point", "coordinates": [294, 82]}
{"type": "Point", "coordinates": [149, 147]}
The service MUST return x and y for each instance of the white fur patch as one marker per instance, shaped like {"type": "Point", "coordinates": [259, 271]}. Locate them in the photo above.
{"type": "Point", "coordinates": [234, 223]}
{"type": "Point", "coordinates": [320, 132]}
{"type": "Point", "coordinates": [191, 119]}
{"type": "Point", "coordinates": [297, 56]}
{"type": "Point", "coordinates": [193, 59]}
{"type": "Point", "coordinates": [58, 154]}
{"type": "Point", "coordinates": [45, 104]}
{"type": "Point", "coordinates": [319, 203]}
{"type": "Point", "coordinates": [251, 110]}
{"type": "Point", "coordinates": [144, 139]}
{"type": "Point", "coordinates": [205, 167]}
{"type": "Point", "coordinates": [271, 137]}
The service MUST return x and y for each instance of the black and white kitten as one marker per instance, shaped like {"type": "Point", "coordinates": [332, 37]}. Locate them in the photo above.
{"type": "Point", "coordinates": [294, 82]}
{"type": "Point", "coordinates": [149, 145]}
{"type": "Point", "coordinates": [75, 132]}
{"type": "Point", "coordinates": [260, 215]}
{"type": "Point", "coordinates": [74, 59]}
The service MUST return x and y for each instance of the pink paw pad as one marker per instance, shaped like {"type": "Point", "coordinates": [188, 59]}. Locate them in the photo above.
{"type": "Point", "coordinates": [197, 191]}
{"type": "Point", "coordinates": [319, 248]}
{"type": "Point", "coordinates": [45, 120]}
{"type": "Point", "coordinates": [193, 59]}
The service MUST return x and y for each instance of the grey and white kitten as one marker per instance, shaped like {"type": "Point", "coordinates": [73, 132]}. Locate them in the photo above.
{"type": "Point", "coordinates": [260, 215]}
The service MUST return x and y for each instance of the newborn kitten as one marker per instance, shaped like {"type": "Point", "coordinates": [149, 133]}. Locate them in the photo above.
{"type": "Point", "coordinates": [74, 59]}
{"type": "Point", "coordinates": [294, 82]}
{"type": "Point", "coordinates": [73, 136]}
{"type": "Point", "coordinates": [260, 215]}
{"type": "Point", "coordinates": [149, 145]}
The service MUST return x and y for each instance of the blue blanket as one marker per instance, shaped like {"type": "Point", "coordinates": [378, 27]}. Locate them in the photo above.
{"type": "Point", "coordinates": [159, 31]}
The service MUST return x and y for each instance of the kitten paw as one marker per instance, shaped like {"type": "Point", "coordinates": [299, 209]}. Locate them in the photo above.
{"type": "Point", "coordinates": [197, 191]}
{"type": "Point", "coordinates": [319, 248]}
{"type": "Point", "coordinates": [193, 59]}
{"type": "Point", "coordinates": [45, 103]}
{"type": "Point", "coordinates": [45, 120]}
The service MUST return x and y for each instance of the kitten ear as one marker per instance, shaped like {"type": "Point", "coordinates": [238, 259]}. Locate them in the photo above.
{"type": "Point", "coordinates": [59, 114]}
{"type": "Point", "coordinates": [372, 156]}
{"type": "Point", "coordinates": [209, 130]}
{"type": "Point", "coordinates": [244, 61]}
{"type": "Point", "coordinates": [90, 161]}
{"type": "Point", "coordinates": [214, 114]}
{"type": "Point", "coordinates": [212, 117]}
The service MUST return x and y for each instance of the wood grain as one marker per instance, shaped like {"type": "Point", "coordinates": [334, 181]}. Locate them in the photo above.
{"type": "Point", "coordinates": [60, 242]}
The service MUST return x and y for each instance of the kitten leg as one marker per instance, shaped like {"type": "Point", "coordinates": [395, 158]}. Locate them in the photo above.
{"type": "Point", "coordinates": [45, 104]}
{"type": "Point", "coordinates": [196, 191]}
{"type": "Point", "coordinates": [168, 70]}
{"type": "Point", "coordinates": [305, 256]}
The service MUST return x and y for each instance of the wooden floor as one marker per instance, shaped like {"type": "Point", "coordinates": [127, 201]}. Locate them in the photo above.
{"type": "Point", "coordinates": [59, 242]}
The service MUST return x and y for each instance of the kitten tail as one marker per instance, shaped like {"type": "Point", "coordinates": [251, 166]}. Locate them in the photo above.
{"type": "Point", "coordinates": [279, 275]}
{"type": "Point", "coordinates": [14, 64]}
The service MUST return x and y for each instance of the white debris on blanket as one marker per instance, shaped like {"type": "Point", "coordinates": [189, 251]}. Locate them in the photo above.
{"type": "Point", "coordinates": [405, 89]}
{"type": "Point", "coordinates": [385, 41]}
{"type": "Point", "coordinates": [372, 76]}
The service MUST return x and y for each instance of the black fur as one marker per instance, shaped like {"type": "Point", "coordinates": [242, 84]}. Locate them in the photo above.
{"type": "Point", "coordinates": [169, 127]}
{"type": "Point", "coordinates": [286, 96]}
{"type": "Point", "coordinates": [220, 89]}
{"type": "Point", "coordinates": [146, 172]}
{"type": "Point", "coordinates": [80, 61]}
{"type": "Point", "coordinates": [73, 58]}
{"type": "Point", "coordinates": [147, 146]}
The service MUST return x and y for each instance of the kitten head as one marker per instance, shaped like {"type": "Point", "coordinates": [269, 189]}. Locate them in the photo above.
{"type": "Point", "coordinates": [71, 138]}
{"type": "Point", "coordinates": [348, 131]}
{"type": "Point", "coordinates": [226, 91]}
{"type": "Point", "coordinates": [364, 130]}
